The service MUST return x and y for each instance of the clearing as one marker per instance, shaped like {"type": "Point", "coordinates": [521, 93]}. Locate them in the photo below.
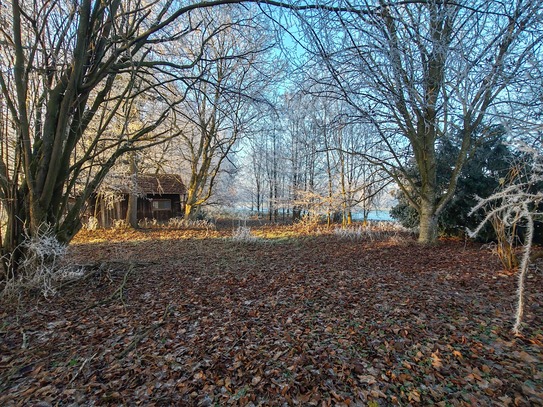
{"type": "Point", "coordinates": [195, 318]}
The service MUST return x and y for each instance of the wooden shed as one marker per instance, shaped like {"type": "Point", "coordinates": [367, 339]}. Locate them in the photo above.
{"type": "Point", "coordinates": [160, 197]}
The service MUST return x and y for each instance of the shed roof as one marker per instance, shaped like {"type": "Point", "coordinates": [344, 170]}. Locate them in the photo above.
{"type": "Point", "coordinates": [145, 184]}
{"type": "Point", "coordinates": [160, 184]}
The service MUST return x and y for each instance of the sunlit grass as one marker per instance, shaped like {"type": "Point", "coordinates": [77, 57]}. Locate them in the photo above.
{"type": "Point", "coordinates": [268, 233]}
{"type": "Point", "coordinates": [278, 233]}
{"type": "Point", "coordinates": [273, 232]}
{"type": "Point", "coordinates": [141, 235]}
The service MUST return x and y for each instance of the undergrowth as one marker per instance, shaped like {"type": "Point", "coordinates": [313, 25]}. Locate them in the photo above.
{"type": "Point", "coordinates": [373, 231]}
{"type": "Point", "coordinates": [42, 266]}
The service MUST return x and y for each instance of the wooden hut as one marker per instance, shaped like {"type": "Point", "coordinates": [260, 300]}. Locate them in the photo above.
{"type": "Point", "coordinates": [160, 197]}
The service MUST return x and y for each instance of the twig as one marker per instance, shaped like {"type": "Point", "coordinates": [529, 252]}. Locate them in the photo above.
{"type": "Point", "coordinates": [98, 269]}
{"type": "Point", "coordinates": [119, 291]}
{"type": "Point", "coordinates": [101, 266]}
{"type": "Point", "coordinates": [81, 368]}
{"type": "Point", "coordinates": [137, 339]}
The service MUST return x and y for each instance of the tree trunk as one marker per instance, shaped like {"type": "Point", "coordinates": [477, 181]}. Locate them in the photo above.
{"type": "Point", "coordinates": [425, 154]}
{"type": "Point", "coordinates": [258, 204]}
{"type": "Point", "coordinates": [11, 248]}
{"type": "Point", "coordinates": [190, 210]}
{"type": "Point", "coordinates": [428, 222]}
{"type": "Point", "coordinates": [132, 209]}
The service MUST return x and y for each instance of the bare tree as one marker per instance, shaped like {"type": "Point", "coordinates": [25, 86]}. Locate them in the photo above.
{"type": "Point", "coordinates": [66, 71]}
{"type": "Point", "coordinates": [221, 107]}
{"type": "Point", "coordinates": [420, 71]}
{"type": "Point", "coordinates": [326, 151]}
{"type": "Point", "coordinates": [257, 173]}
{"type": "Point", "coordinates": [66, 58]}
{"type": "Point", "coordinates": [361, 181]}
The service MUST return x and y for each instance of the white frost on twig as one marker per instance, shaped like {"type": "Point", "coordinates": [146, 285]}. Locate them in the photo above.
{"type": "Point", "coordinates": [514, 203]}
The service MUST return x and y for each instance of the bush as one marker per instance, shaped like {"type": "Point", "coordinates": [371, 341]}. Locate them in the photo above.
{"type": "Point", "coordinates": [373, 231]}
{"type": "Point", "coordinates": [243, 234]}
{"type": "Point", "coordinates": [309, 223]}
{"type": "Point", "coordinates": [479, 177]}
{"type": "Point", "coordinates": [177, 223]}
{"type": "Point", "coordinates": [41, 267]}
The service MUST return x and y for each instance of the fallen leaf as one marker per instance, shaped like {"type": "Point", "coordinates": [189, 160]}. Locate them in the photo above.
{"type": "Point", "coordinates": [414, 395]}
{"type": "Point", "coordinates": [436, 361]}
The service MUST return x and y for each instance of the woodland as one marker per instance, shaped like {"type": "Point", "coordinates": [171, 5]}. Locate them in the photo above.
{"type": "Point", "coordinates": [287, 123]}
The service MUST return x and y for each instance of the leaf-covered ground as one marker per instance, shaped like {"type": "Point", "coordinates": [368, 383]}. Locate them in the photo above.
{"type": "Point", "coordinates": [195, 318]}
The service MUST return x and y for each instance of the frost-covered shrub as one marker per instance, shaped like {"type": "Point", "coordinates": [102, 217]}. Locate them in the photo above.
{"type": "Point", "coordinates": [517, 202]}
{"type": "Point", "coordinates": [177, 223]}
{"type": "Point", "coordinates": [353, 233]}
{"type": "Point", "coordinates": [41, 266]}
{"type": "Point", "coordinates": [180, 223]}
{"type": "Point", "coordinates": [146, 223]}
{"type": "Point", "coordinates": [309, 223]}
{"type": "Point", "coordinates": [372, 231]}
{"type": "Point", "coordinates": [92, 224]}
{"type": "Point", "coordinates": [243, 234]}
{"type": "Point", "coordinates": [142, 223]}
{"type": "Point", "coordinates": [206, 224]}
{"type": "Point", "coordinates": [120, 224]}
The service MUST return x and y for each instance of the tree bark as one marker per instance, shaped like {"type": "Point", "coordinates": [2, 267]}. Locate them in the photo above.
{"type": "Point", "coordinates": [132, 209]}
{"type": "Point", "coordinates": [428, 223]}
{"type": "Point", "coordinates": [190, 212]}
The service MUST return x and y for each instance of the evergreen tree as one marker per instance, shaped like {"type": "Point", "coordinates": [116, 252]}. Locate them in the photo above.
{"type": "Point", "coordinates": [490, 162]}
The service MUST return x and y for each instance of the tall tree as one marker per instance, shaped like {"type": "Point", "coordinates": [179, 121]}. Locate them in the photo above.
{"type": "Point", "coordinates": [420, 71]}
{"type": "Point", "coordinates": [66, 70]}
{"type": "Point", "coordinates": [220, 108]}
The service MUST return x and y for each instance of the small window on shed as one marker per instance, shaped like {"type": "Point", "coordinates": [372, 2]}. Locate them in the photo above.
{"type": "Point", "coordinates": [162, 205]}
